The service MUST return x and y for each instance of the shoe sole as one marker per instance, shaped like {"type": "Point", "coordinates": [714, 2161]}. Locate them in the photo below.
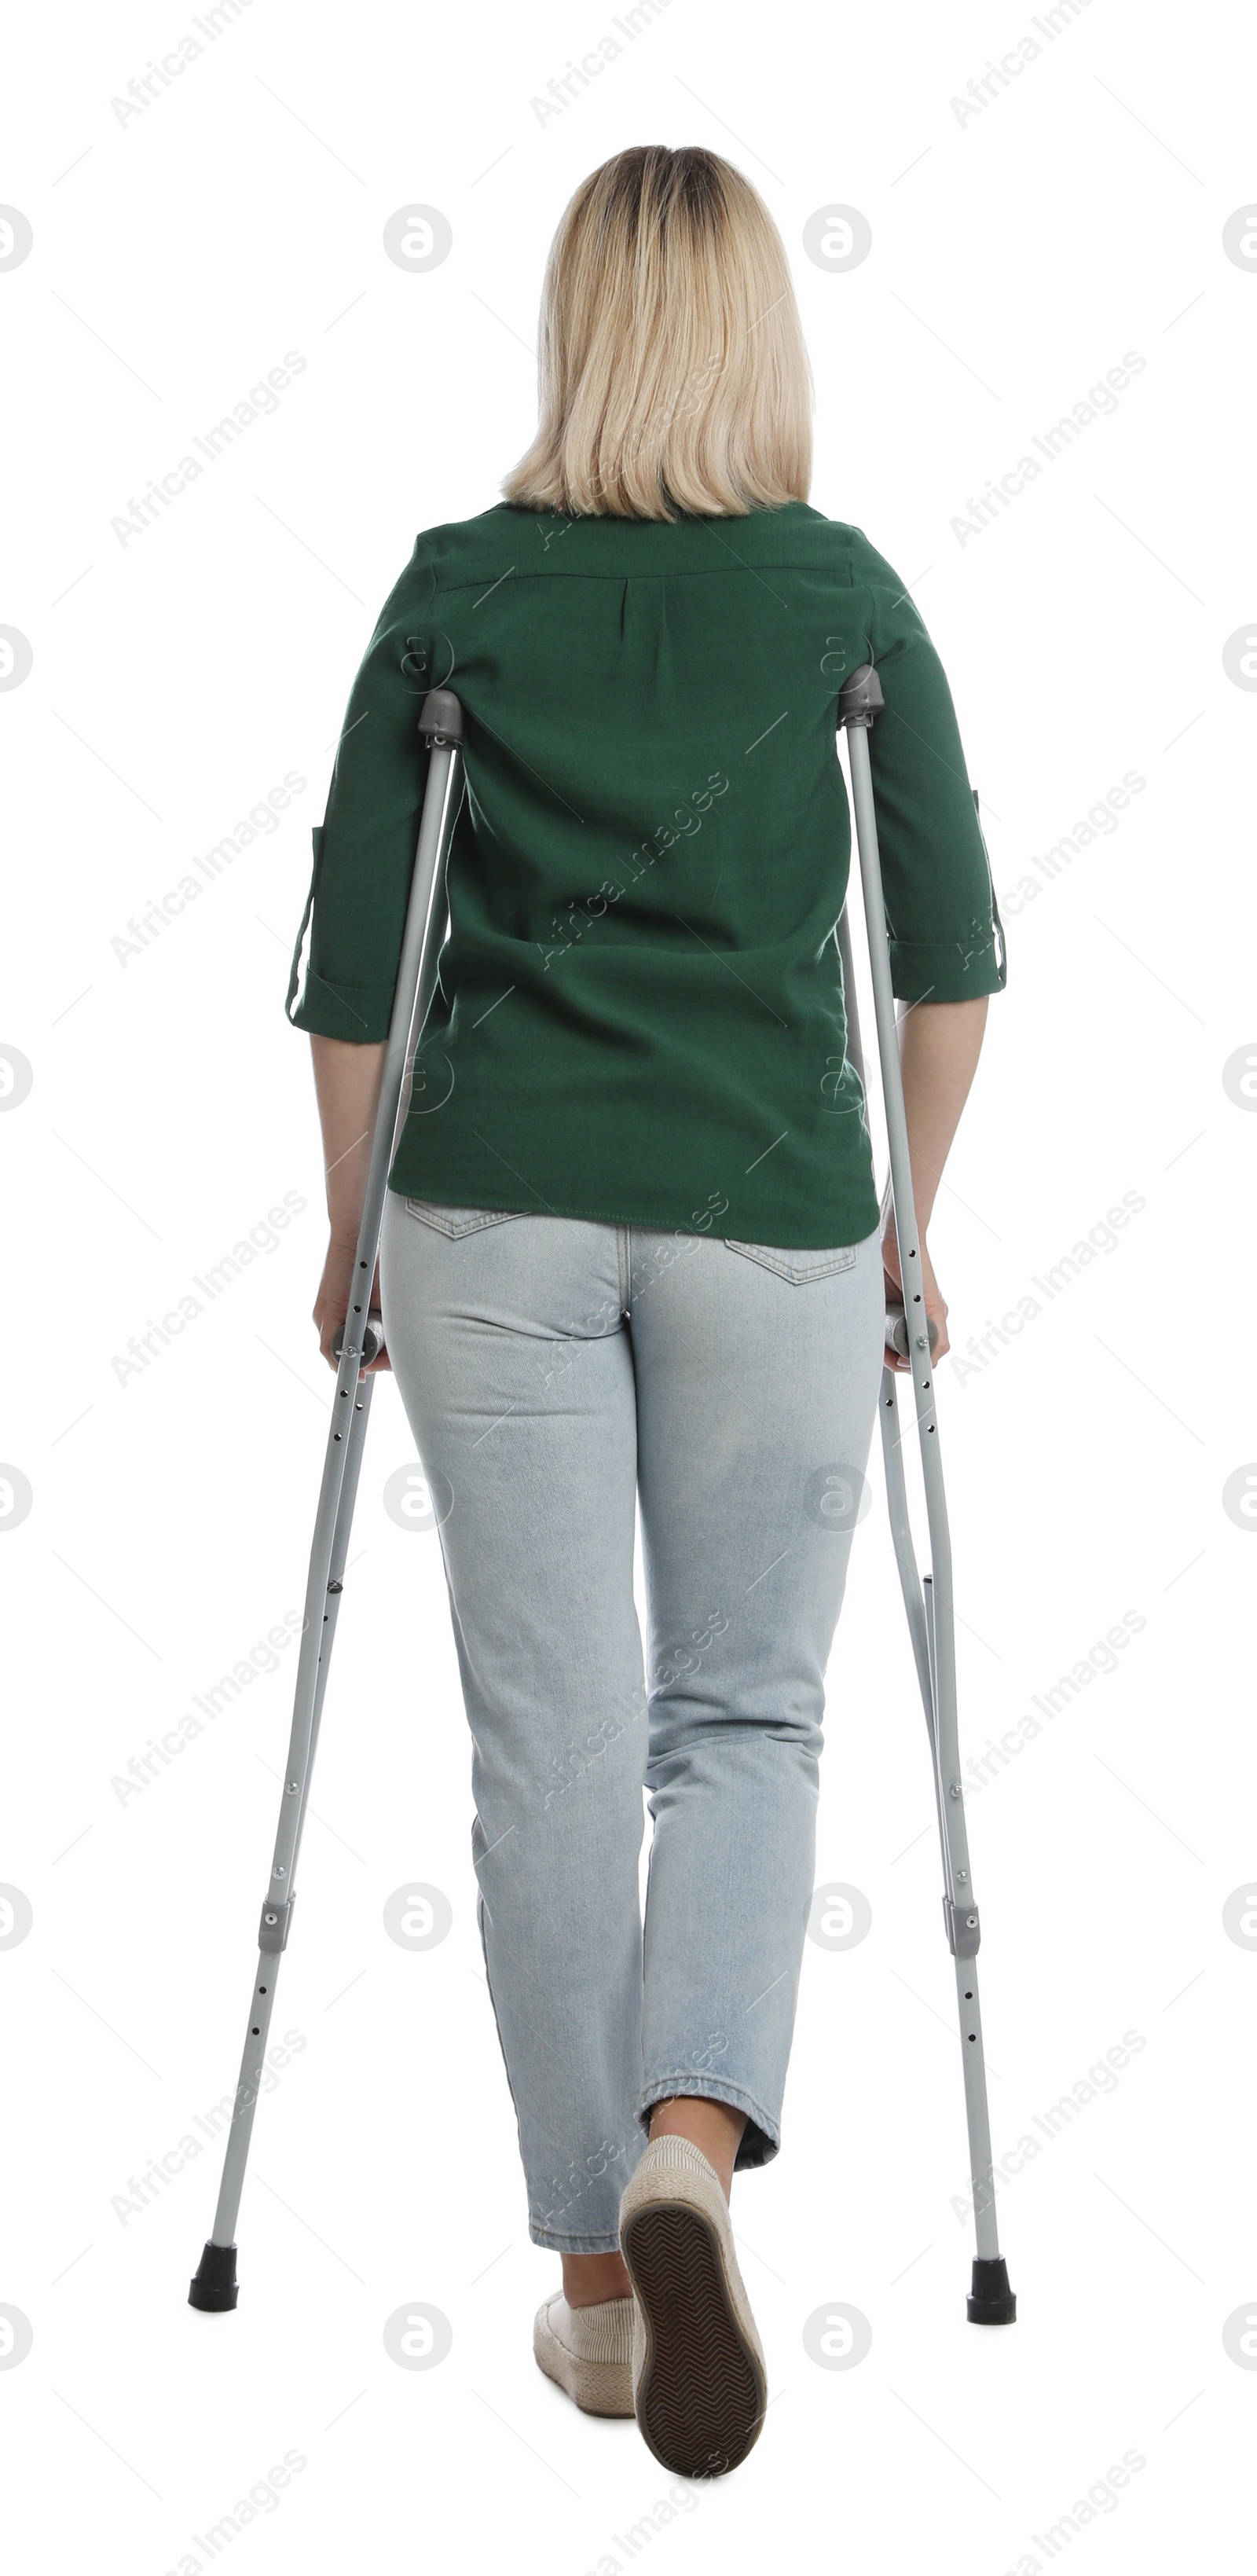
{"type": "Point", "coordinates": [702, 2395]}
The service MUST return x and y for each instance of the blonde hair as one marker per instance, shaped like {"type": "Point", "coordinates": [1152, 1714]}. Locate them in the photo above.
{"type": "Point", "coordinates": [672, 370]}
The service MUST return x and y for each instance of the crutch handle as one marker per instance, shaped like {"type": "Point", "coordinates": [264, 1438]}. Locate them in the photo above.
{"type": "Point", "coordinates": [897, 1331]}
{"type": "Point", "coordinates": [372, 1339]}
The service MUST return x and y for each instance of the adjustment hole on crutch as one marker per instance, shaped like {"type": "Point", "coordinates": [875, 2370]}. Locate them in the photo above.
{"type": "Point", "coordinates": [968, 1994]}
{"type": "Point", "coordinates": [256, 2031]}
{"type": "Point", "coordinates": [973, 2034]}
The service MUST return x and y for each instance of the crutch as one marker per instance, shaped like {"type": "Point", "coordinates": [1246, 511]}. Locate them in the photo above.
{"type": "Point", "coordinates": [928, 1599]}
{"type": "Point", "coordinates": [214, 2286]}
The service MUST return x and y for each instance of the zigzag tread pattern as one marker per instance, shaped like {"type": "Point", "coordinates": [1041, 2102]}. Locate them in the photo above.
{"type": "Point", "coordinates": [700, 2404]}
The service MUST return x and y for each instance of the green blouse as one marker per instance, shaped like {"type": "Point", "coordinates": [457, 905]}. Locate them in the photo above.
{"type": "Point", "coordinates": [640, 1012]}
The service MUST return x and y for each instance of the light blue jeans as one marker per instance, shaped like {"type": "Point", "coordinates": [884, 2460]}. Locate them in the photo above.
{"type": "Point", "coordinates": [557, 1372]}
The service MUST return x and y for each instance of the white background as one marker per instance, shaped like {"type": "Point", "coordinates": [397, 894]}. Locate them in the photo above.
{"type": "Point", "coordinates": [1016, 257]}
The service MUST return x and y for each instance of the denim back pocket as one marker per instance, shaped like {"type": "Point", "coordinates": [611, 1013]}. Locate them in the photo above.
{"type": "Point", "coordinates": [459, 1220]}
{"type": "Point", "coordinates": [798, 1267]}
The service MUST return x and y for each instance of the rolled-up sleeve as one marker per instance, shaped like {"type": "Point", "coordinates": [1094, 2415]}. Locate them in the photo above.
{"type": "Point", "coordinates": [946, 937]}
{"type": "Point", "coordinates": [364, 848]}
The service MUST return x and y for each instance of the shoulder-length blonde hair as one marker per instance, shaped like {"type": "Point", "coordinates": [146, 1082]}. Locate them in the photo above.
{"type": "Point", "coordinates": [672, 370]}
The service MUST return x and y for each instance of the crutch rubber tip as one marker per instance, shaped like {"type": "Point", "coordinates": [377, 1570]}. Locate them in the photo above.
{"type": "Point", "coordinates": [991, 2302]}
{"type": "Point", "coordinates": [214, 2285]}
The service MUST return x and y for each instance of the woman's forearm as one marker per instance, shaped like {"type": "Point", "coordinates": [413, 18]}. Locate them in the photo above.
{"type": "Point", "coordinates": [347, 1082]}
{"type": "Point", "coordinates": [939, 1046]}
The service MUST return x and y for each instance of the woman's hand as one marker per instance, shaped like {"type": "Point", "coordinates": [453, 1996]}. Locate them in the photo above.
{"type": "Point", "coordinates": [935, 1302]}
{"type": "Point", "coordinates": [332, 1302]}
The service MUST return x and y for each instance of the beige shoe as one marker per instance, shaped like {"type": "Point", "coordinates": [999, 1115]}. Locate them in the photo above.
{"type": "Point", "coordinates": [700, 2388]}
{"type": "Point", "coordinates": [589, 2351]}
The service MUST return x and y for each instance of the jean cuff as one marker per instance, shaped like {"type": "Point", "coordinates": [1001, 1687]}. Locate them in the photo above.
{"type": "Point", "coordinates": [559, 2240]}
{"type": "Point", "coordinates": [761, 2138]}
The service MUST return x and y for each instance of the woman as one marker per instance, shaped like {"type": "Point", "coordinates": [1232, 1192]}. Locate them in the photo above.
{"type": "Point", "coordinates": [632, 1255]}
